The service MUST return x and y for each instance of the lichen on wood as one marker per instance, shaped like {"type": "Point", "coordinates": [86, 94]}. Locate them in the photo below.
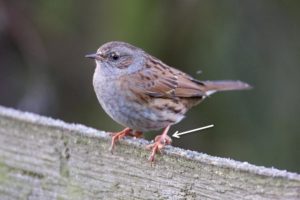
{"type": "Point", "coordinates": [43, 158]}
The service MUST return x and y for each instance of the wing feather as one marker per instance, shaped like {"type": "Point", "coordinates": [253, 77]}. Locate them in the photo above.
{"type": "Point", "coordinates": [163, 81]}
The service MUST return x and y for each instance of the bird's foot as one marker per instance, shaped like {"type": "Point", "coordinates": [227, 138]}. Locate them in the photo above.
{"type": "Point", "coordinates": [160, 142]}
{"type": "Point", "coordinates": [119, 135]}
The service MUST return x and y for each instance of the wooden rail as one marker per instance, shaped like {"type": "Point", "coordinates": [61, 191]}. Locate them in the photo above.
{"type": "Point", "coordinates": [43, 158]}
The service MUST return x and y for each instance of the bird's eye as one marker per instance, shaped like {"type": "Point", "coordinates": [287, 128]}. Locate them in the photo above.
{"type": "Point", "coordinates": [114, 56]}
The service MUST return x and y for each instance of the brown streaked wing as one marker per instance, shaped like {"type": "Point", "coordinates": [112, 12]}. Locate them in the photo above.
{"type": "Point", "coordinates": [159, 80]}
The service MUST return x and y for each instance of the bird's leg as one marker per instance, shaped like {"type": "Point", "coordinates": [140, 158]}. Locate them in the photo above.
{"type": "Point", "coordinates": [119, 135]}
{"type": "Point", "coordinates": [160, 142]}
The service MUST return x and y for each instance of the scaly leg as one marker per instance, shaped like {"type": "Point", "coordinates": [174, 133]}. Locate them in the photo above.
{"type": "Point", "coordinates": [119, 135]}
{"type": "Point", "coordinates": [160, 142]}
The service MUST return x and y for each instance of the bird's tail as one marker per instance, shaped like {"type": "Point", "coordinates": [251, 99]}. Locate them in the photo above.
{"type": "Point", "coordinates": [224, 85]}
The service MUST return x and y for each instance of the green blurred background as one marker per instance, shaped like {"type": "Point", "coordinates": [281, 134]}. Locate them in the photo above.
{"type": "Point", "coordinates": [43, 69]}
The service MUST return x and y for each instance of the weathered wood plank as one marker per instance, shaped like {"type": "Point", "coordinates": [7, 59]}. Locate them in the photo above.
{"type": "Point", "coordinates": [42, 158]}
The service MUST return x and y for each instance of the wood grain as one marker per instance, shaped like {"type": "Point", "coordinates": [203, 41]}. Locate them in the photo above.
{"type": "Point", "coordinates": [42, 158]}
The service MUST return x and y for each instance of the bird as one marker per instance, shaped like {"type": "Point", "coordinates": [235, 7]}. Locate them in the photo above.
{"type": "Point", "coordinates": [142, 93]}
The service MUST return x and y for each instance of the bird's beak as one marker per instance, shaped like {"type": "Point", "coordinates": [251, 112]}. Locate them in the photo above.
{"type": "Point", "coordinates": [93, 56]}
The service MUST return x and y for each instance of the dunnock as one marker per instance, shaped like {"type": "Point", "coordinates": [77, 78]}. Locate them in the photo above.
{"type": "Point", "coordinates": [142, 93]}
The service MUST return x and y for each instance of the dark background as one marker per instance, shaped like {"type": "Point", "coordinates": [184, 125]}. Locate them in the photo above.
{"type": "Point", "coordinates": [43, 69]}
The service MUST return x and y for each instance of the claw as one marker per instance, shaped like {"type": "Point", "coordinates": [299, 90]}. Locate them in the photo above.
{"type": "Point", "coordinates": [118, 136]}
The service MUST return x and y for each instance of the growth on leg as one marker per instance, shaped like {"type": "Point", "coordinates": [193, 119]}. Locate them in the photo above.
{"type": "Point", "coordinates": [160, 142]}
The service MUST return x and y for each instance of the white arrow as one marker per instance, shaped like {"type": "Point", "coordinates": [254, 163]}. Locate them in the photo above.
{"type": "Point", "coordinates": [176, 134]}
